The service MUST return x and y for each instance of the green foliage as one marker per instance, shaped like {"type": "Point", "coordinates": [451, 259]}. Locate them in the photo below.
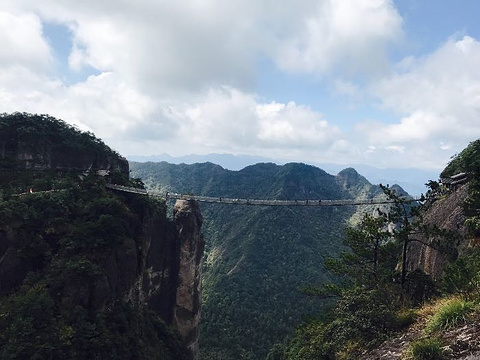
{"type": "Point", "coordinates": [360, 319]}
{"type": "Point", "coordinates": [371, 257]}
{"type": "Point", "coordinates": [467, 161]}
{"type": "Point", "coordinates": [33, 329]}
{"type": "Point", "coordinates": [27, 324]}
{"type": "Point", "coordinates": [426, 349]}
{"type": "Point", "coordinates": [310, 343]}
{"type": "Point", "coordinates": [36, 133]}
{"type": "Point", "coordinates": [449, 315]}
{"type": "Point", "coordinates": [365, 316]}
{"type": "Point", "coordinates": [257, 258]}
{"type": "Point", "coordinates": [463, 275]}
{"type": "Point", "coordinates": [369, 308]}
{"type": "Point", "coordinates": [63, 239]}
{"type": "Point", "coordinates": [404, 318]}
{"type": "Point", "coordinates": [419, 287]}
{"type": "Point", "coordinates": [472, 205]}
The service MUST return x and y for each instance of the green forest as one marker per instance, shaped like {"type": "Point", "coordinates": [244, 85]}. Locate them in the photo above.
{"type": "Point", "coordinates": [259, 259]}
{"type": "Point", "coordinates": [374, 301]}
{"type": "Point", "coordinates": [56, 243]}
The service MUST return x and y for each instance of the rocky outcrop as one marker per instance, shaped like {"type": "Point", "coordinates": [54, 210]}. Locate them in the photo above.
{"type": "Point", "coordinates": [170, 280]}
{"type": "Point", "coordinates": [25, 157]}
{"type": "Point", "coordinates": [186, 316]}
{"type": "Point", "coordinates": [446, 213]}
{"type": "Point", "coordinates": [41, 142]}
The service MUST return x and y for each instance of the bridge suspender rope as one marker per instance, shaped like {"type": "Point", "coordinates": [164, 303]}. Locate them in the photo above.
{"type": "Point", "coordinates": [223, 200]}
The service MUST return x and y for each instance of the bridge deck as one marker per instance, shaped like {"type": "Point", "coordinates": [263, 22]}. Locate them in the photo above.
{"type": "Point", "coordinates": [257, 202]}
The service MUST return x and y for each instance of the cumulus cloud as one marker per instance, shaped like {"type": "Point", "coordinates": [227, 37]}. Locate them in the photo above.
{"type": "Point", "coordinates": [349, 35]}
{"type": "Point", "coordinates": [291, 125]}
{"type": "Point", "coordinates": [440, 93]}
{"type": "Point", "coordinates": [164, 46]}
{"type": "Point", "coordinates": [228, 119]}
{"type": "Point", "coordinates": [22, 42]}
{"type": "Point", "coordinates": [171, 71]}
{"type": "Point", "coordinates": [161, 46]}
{"type": "Point", "coordinates": [103, 103]}
{"type": "Point", "coordinates": [437, 100]}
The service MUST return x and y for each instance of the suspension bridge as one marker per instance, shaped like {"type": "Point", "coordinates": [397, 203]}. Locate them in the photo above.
{"type": "Point", "coordinates": [257, 202]}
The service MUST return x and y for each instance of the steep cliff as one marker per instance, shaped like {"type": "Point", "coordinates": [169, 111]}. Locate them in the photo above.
{"type": "Point", "coordinates": [455, 208]}
{"type": "Point", "coordinates": [86, 272]}
{"type": "Point", "coordinates": [445, 213]}
{"type": "Point", "coordinates": [186, 314]}
{"type": "Point", "coordinates": [41, 142]}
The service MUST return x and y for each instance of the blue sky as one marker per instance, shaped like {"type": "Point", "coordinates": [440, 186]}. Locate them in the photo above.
{"type": "Point", "coordinates": [389, 84]}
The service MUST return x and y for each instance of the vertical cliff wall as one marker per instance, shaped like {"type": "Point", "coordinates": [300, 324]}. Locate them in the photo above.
{"type": "Point", "coordinates": [447, 214]}
{"type": "Point", "coordinates": [170, 279]}
{"type": "Point", "coordinates": [186, 315]}
{"type": "Point", "coordinates": [41, 142]}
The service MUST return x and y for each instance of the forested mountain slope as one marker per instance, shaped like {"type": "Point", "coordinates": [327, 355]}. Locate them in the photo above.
{"type": "Point", "coordinates": [259, 258]}
{"type": "Point", "coordinates": [85, 273]}
{"type": "Point", "coordinates": [381, 314]}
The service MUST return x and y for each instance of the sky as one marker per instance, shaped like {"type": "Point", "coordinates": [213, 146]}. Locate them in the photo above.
{"type": "Point", "coordinates": [389, 84]}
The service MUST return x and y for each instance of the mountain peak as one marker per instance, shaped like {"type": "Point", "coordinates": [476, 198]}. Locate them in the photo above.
{"type": "Point", "coordinates": [349, 178]}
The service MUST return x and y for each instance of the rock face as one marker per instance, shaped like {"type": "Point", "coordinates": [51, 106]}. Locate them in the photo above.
{"type": "Point", "coordinates": [170, 283]}
{"type": "Point", "coordinates": [186, 316]}
{"type": "Point", "coordinates": [25, 157]}
{"type": "Point", "coordinates": [446, 213]}
{"type": "Point", "coordinates": [41, 142]}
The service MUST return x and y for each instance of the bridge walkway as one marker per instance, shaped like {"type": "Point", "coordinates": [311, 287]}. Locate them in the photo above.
{"type": "Point", "coordinates": [254, 202]}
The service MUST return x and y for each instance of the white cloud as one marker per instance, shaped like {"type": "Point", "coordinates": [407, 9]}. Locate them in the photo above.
{"type": "Point", "coordinates": [164, 46]}
{"type": "Point", "coordinates": [290, 125]}
{"type": "Point", "coordinates": [103, 103]}
{"type": "Point", "coordinates": [437, 99]}
{"type": "Point", "coordinates": [226, 119]}
{"type": "Point", "coordinates": [179, 77]}
{"type": "Point", "coordinates": [161, 46]}
{"type": "Point", "coordinates": [346, 88]}
{"type": "Point", "coordinates": [22, 43]}
{"type": "Point", "coordinates": [348, 35]}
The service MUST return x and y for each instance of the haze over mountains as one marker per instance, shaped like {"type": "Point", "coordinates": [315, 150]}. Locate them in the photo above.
{"type": "Point", "coordinates": [411, 180]}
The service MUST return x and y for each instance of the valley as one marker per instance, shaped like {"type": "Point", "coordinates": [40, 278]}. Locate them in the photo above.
{"type": "Point", "coordinates": [258, 259]}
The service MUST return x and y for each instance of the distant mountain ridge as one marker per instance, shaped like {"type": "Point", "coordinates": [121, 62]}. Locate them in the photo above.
{"type": "Point", "coordinates": [412, 180]}
{"type": "Point", "coordinates": [258, 258]}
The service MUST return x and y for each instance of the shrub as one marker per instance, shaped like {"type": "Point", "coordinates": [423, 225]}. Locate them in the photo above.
{"type": "Point", "coordinates": [404, 318]}
{"type": "Point", "coordinates": [450, 314]}
{"type": "Point", "coordinates": [364, 316]}
{"type": "Point", "coordinates": [419, 287]}
{"type": "Point", "coordinates": [464, 274]}
{"type": "Point", "coordinates": [426, 349]}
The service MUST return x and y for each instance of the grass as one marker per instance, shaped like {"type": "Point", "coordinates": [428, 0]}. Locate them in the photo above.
{"type": "Point", "coordinates": [425, 349]}
{"type": "Point", "coordinates": [449, 314]}
{"type": "Point", "coordinates": [405, 318]}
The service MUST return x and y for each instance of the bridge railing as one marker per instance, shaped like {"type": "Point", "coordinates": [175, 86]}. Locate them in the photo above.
{"type": "Point", "coordinates": [258, 202]}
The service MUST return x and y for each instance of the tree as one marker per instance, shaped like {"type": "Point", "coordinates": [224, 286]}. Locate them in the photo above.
{"type": "Point", "coordinates": [369, 259]}
{"type": "Point", "coordinates": [410, 227]}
